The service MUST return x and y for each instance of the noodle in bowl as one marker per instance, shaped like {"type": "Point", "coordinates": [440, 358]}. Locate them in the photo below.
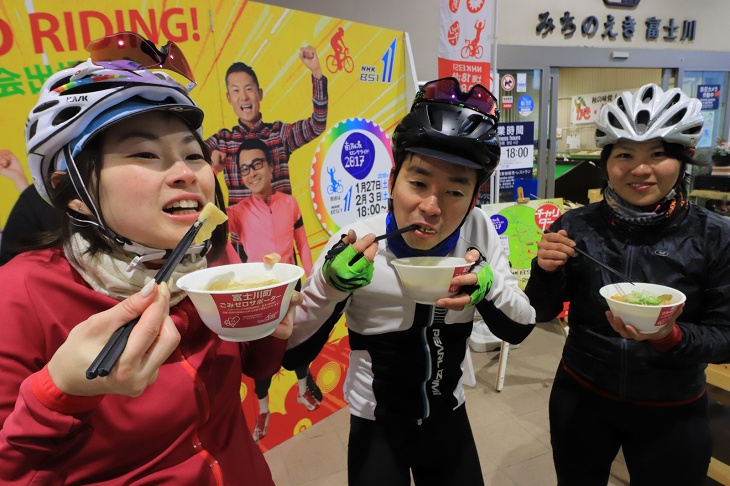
{"type": "Point", "coordinates": [647, 307]}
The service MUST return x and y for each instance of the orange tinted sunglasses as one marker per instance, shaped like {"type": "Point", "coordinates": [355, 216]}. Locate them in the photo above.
{"type": "Point", "coordinates": [132, 46]}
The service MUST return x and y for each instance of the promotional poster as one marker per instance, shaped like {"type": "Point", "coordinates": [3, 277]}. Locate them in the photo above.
{"type": "Point", "coordinates": [465, 41]}
{"type": "Point", "coordinates": [520, 225]}
{"type": "Point", "coordinates": [332, 153]}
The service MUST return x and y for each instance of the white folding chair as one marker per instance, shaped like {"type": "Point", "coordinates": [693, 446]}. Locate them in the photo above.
{"type": "Point", "coordinates": [468, 378]}
{"type": "Point", "coordinates": [502, 368]}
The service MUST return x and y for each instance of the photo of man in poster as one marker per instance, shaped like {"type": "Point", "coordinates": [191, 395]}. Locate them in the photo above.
{"type": "Point", "coordinates": [244, 95]}
{"type": "Point", "coordinates": [265, 222]}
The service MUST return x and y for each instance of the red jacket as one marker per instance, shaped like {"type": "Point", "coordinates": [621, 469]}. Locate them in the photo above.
{"type": "Point", "coordinates": [187, 427]}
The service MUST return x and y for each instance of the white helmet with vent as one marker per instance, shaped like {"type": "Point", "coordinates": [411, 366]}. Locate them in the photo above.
{"type": "Point", "coordinates": [76, 103]}
{"type": "Point", "coordinates": [651, 113]}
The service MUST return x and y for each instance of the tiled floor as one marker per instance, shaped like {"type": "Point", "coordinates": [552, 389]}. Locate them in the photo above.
{"type": "Point", "coordinates": [511, 426]}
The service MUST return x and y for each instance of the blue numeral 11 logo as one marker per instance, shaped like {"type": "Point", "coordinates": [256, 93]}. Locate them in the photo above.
{"type": "Point", "coordinates": [388, 61]}
{"type": "Point", "coordinates": [348, 200]}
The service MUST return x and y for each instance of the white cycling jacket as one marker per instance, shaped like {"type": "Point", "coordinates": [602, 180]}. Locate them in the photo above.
{"type": "Point", "coordinates": [407, 359]}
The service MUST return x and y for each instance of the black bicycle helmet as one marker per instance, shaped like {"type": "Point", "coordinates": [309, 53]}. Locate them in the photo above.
{"type": "Point", "coordinates": [450, 132]}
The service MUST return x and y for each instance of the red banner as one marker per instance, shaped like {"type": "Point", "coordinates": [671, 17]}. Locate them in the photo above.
{"type": "Point", "coordinates": [465, 41]}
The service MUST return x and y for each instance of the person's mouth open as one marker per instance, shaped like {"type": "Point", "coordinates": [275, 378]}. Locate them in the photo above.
{"type": "Point", "coordinates": [425, 231]}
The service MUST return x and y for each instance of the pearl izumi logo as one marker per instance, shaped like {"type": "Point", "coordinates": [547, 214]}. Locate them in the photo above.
{"type": "Point", "coordinates": [621, 3]}
{"type": "Point", "coordinates": [436, 383]}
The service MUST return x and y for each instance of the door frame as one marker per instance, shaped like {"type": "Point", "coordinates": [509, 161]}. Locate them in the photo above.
{"type": "Point", "coordinates": [549, 60]}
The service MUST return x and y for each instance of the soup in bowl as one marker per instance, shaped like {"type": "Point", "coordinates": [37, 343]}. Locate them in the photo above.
{"type": "Point", "coordinates": [242, 301]}
{"type": "Point", "coordinates": [647, 307]}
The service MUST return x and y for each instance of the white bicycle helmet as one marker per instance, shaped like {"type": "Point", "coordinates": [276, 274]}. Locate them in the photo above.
{"type": "Point", "coordinates": [651, 113]}
{"type": "Point", "coordinates": [77, 103]}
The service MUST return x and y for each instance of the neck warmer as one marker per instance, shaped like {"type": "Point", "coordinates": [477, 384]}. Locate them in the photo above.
{"type": "Point", "coordinates": [400, 248]}
{"type": "Point", "coordinates": [669, 212]}
{"type": "Point", "coordinates": [107, 272]}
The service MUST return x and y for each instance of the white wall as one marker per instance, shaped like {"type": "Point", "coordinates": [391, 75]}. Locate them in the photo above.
{"type": "Point", "coordinates": [518, 20]}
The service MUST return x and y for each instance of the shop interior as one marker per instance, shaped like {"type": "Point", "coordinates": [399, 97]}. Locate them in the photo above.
{"type": "Point", "coordinates": [576, 177]}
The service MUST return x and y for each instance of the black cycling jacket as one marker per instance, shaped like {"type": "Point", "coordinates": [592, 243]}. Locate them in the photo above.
{"type": "Point", "coordinates": [693, 258]}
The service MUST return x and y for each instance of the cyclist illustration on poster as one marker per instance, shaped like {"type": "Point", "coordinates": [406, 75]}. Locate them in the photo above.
{"type": "Point", "coordinates": [341, 58]}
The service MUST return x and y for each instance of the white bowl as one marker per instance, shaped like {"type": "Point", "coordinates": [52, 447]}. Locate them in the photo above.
{"type": "Point", "coordinates": [427, 279]}
{"type": "Point", "coordinates": [647, 319]}
{"type": "Point", "coordinates": [242, 315]}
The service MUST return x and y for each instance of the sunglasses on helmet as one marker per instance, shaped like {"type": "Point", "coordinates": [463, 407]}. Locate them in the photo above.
{"type": "Point", "coordinates": [133, 47]}
{"type": "Point", "coordinates": [448, 90]}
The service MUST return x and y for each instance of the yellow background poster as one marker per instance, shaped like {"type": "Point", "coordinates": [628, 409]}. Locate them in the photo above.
{"type": "Point", "coordinates": [367, 98]}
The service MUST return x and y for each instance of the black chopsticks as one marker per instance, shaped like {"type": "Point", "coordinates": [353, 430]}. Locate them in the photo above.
{"type": "Point", "coordinates": [397, 232]}
{"type": "Point", "coordinates": [600, 263]}
{"type": "Point", "coordinates": [112, 350]}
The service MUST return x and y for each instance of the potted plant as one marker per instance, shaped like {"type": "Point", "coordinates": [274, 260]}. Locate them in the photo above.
{"type": "Point", "coordinates": [721, 153]}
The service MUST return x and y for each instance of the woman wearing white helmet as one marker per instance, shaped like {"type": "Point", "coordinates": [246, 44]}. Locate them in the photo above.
{"type": "Point", "coordinates": [118, 148]}
{"type": "Point", "coordinates": [616, 388]}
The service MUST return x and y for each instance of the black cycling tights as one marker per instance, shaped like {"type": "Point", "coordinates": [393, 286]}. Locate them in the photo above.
{"type": "Point", "coordinates": [661, 445]}
{"type": "Point", "coordinates": [439, 452]}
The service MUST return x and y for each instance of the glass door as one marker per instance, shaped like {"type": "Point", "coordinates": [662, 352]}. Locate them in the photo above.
{"type": "Point", "coordinates": [711, 89]}
{"type": "Point", "coordinates": [519, 97]}
{"type": "Point", "coordinates": [710, 184]}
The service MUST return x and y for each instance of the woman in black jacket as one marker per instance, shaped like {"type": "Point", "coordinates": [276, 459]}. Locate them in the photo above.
{"type": "Point", "coordinates": [616, 388]}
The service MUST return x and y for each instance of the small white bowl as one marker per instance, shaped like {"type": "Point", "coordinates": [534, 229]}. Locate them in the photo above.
{"type": "Point", "coordinates": [247, 314]}
{"type": "Point", "coordinates": [427, 279]}
{"type": "Point", "coordinates": [647, 319]}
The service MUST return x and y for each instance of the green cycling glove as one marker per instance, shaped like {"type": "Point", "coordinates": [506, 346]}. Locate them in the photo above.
{"type": "Point", "coordinates": [340, 275]}
{"type": "Point", "coordinates": [485, 278]}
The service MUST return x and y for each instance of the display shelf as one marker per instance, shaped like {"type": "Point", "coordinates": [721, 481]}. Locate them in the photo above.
{"type": "Point", "coordinates": [577, 157]}
{"type": "Point", "coordinates": [710, 194]}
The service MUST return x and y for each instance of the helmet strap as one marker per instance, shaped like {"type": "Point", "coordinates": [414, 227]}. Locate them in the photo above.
{"type": "Point", "coordinates": [79, 186]}
{"type": "Point", "coordinates": [145, 254]}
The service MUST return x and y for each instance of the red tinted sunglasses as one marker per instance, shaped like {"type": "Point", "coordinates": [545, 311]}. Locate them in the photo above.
{"type": "Point", "coordinates": [448, 90]}
{"type": "Point", "coordinates": [133, 47]}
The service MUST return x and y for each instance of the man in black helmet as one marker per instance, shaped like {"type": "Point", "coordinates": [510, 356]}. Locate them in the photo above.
{"type": "Point", "coordinates": [403, 384]}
